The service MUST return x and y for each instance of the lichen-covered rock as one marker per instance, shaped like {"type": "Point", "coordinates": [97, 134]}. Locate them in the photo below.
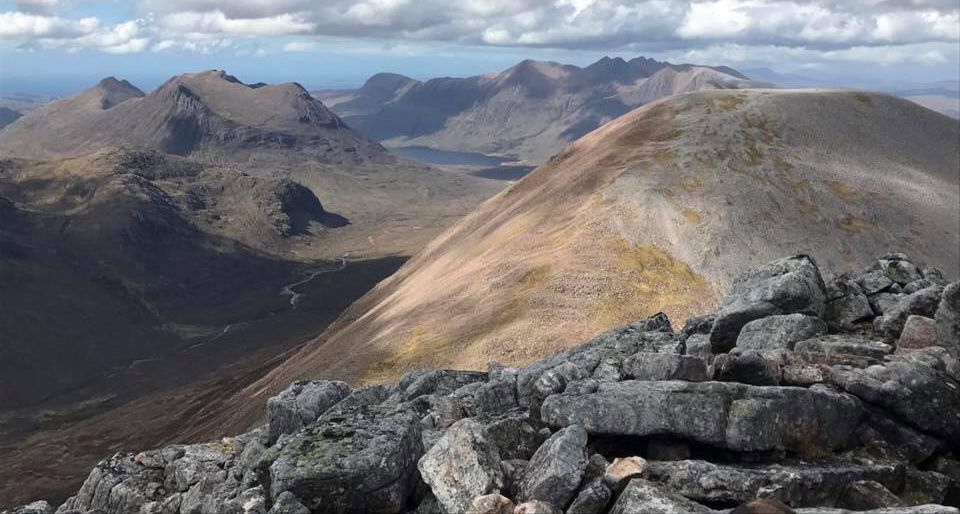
{"type": "Point", "coordinates": [925, 487]}
{"type": "Point", "coordinates": [948, 320]}
{"type": "Point", "coordinates": [665, 366]}
{"type": "Point", "coordinates": [921, 303]}
{"type": "Point", "coordinates": [287, 503]}
{"type": "Point", "coordinates": [898, 268]}
{"type": "Point", "coordinates": [874, 282]}
{"type": "Point", "coordinates": [866, 495]}
{"type": "Point", "coordinates": [301, 404]}
{"type": "Point", "coordinates": [556, 468]}
{"type": "Point", "coordinates": [918, 332]}
{"type": "Point", "coordinates": [747, 367]}
{"type": "Point", "coordinates": [441, 382]}
{"type": "Point", "coordinates": [642, 496]}
{"type": "Point", "coordinates": [592, 499]}
{"type": "Point", "coordinates": [836, 344]}
{"type": "Point", "coordinates": [733, 416]}
{"type": "Point", "coordinates": [787, 286]}
{"type": "Point", "coordinates": [882, 303]}
{"type": "Point", "coordinates": [798, 484]}
{"type": "Point", "coordinates": [846, 311]}
{"type": "Point", "coordinates": [464, 464]}
{"type": "Point", "coordinates": [913, 386]}
{"type": "Point", "coordinates": [780, 332]}
{"type": "Point", "coordinates": [363, 459]}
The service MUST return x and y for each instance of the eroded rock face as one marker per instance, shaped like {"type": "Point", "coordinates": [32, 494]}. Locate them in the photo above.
{"type": "Point", "coordinates": [802, 415]}
{"type": "Point", "coordinates": [362, 458]}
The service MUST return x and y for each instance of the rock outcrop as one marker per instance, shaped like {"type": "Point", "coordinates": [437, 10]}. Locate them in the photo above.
{"type": "Point", "coordinates": [780, 402]}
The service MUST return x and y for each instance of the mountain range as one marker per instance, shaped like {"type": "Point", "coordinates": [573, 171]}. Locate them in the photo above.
{"type": "Point", "coordinates": [527, 112]}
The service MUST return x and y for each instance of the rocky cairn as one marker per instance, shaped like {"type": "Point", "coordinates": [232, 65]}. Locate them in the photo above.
{"type": "Point", "coordinates": [796, 395]}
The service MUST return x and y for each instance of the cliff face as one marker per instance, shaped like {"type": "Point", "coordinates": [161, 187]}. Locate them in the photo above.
{"type": "Point", "coordinates": [814, 395]}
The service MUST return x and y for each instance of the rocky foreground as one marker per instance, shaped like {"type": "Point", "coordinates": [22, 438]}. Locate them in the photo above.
{"type": "Point", "coordinates": [795, 396]}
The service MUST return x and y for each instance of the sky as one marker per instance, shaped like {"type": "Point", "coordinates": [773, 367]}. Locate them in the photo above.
{"type": "Point", "coordinates": [57, 47]}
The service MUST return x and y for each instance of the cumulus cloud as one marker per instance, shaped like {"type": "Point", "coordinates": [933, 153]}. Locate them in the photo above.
{"type": "Point", "coordinates": [880, 31]}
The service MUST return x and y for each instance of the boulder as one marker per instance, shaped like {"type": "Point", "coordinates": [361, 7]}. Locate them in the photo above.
{"type": "Point", "coordinates": [725, 415]}
{"type": "Point", "coordinates": [622, 470]}
{"type": "Point", "coordinates": [867, 495]}
{"type": "Point", "coordinates": [918, 332]}
{"type": "Point", "coordinates": [642, 496]}
{"type": "Point", "coordinates": [592, 499]}
{"type": "Point", "coordinates": [798, 484]}
{"type": "Point", "coordinates": [882, 303]}
{"type": "Point", "coordinates": [919, 509]}
{"type": "Point", "coordinates": [665, 366]}
{"type": "Point", "coordinates": [922, 303]}
{"type": "Point", "coordinates": [786, 286]}
{"type": "Point", "coordinates": [925, 487]}
{"type": "Point", "coordinates": [947, 317]}
{"type": "Point", "coordinates": [361, 460]}
{"type": "Point", "coordinates": [302, 403]}
{"type": "Point", "coordinates": [832, 345]}
{"type": "Point", "coordinates": [491, 504]}
{"type": "Point", "coordinates": [556, 468]}
{"type": "Point", "coordinates": [37, 507]}
{"type": "Point", "coordinates": [846, 311]}
{"type": "Point", "coordinates": [440, 382]}
{"type": "Point", "coordinates": [287, 503]}
{"type": "Point", "coordinates": [463, 465]}
{"type": "Point", "coordinates": [874, 282]}
{"type": "Point", "coordinates": [780, 332]}
{"type": "Point", "coordinates": [898, 268]}
{"type": "Point", "coordinates": [747, 367]}
{"type": "Point", "coordinates": [914, 386]}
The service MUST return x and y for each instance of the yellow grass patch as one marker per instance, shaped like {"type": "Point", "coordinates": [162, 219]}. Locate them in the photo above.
{"type": "Point", "coordinates": [855, 224]}
{"type": "Point", "coordinates": [842, 189]}
{"type": "Point", "coordinates": [692, 216]}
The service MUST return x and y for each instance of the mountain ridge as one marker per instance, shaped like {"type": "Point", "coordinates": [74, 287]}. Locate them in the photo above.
{"type": "Point", "coordinates": [528, 111]}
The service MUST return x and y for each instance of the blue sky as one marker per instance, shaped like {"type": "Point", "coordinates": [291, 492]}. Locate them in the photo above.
{"type": "Point", "coordinates": [60, 46]}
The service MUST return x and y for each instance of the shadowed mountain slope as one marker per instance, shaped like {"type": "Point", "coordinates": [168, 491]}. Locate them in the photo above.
{"type": "Point", "coordinates": [531, 110]}
{"type": "Point", "coordinates": [656, 211]}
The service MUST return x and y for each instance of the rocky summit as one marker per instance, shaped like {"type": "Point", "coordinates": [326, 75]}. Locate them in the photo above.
{"type": "Point", "coordinates": [798, 394]}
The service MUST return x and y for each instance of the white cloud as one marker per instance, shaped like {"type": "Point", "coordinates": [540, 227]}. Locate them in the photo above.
{"type": "Point", "coordinates": [811, 32]}
{"type": "Point", "coordinates": [23, 25]}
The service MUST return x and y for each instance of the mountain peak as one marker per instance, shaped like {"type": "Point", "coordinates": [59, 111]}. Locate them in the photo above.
{"type": "Point", "coordinates": [111, 91]}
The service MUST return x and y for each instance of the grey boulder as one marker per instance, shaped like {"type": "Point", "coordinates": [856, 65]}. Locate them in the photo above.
{"type": "Point", "coordinates": [948, 320]}
{"type": "Point", "coordinates": [555, 470]}
{"type": "Point", "coordinates": [644, 497]}
{"type": "Point", "coordinates": [787, 286]}
{"type": "Point", "coordinates": [463, 465]}
{"type": "Point", "coordinates": [361, 460]}
{"type": "Point", "coordinates": [301, 403]}
{"type": "Point", "coordinates": [727, 415]}
{"type": "Point", "coordinates": [780, 332]}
